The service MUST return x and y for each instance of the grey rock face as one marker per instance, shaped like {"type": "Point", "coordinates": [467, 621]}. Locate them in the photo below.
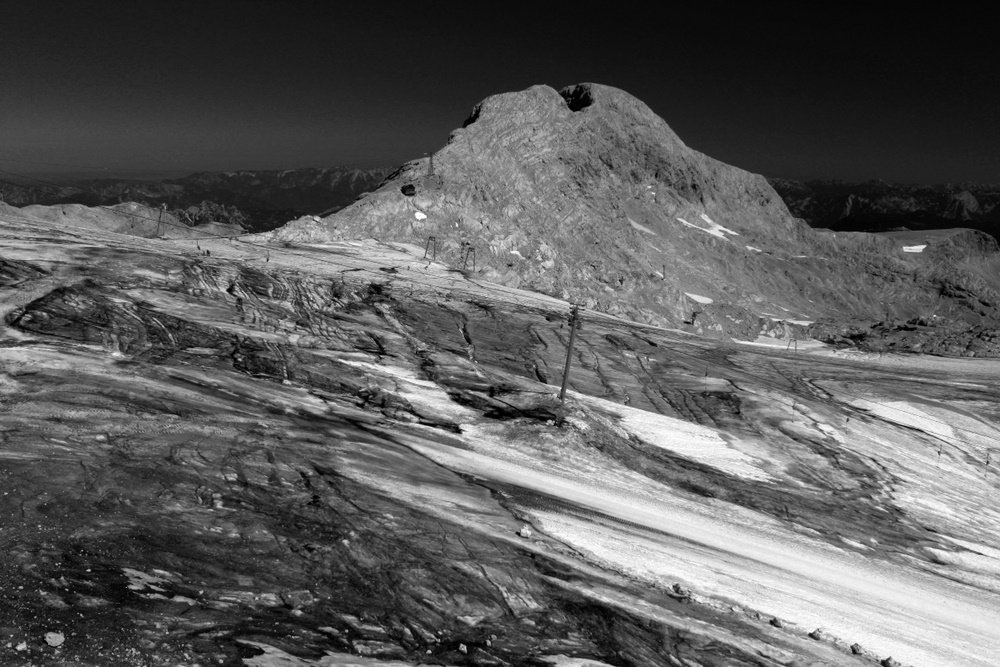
{"type": "Point", "coordinates": [586, 194]}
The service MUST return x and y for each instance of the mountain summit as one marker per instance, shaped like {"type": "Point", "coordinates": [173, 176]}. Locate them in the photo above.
{"type": "Point", "coordinates": [587, 194]}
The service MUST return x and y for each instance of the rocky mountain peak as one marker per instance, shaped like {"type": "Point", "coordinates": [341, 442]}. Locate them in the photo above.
{"type": "Point", "coordinates": [586, 194]}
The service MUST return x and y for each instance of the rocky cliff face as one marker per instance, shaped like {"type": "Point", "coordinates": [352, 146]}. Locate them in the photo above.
{"type": "Point", "coordinates": [589, 195]}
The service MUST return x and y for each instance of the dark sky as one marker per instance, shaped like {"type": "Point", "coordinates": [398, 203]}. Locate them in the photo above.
{"type": "Point", "coordinates": [260, 84]}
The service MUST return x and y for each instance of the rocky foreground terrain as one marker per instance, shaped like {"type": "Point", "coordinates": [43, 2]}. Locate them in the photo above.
{"type": "Point", "coordinates": [346, 454]}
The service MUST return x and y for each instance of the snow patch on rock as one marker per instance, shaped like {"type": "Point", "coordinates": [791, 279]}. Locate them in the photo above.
{"type": "Point", "coordinates": [700, 299]}
{"type": "Point", "coordinates": [692, 441]}
{"type": "Point", "coordinates": [715, 229]}
{"type": "Point", "coordinates": [907, 414]}
{"type": "Point", "coordinates": [641, 228]}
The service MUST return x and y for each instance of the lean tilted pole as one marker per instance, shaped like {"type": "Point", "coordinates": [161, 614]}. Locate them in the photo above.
{"type": "Point", "coordinates": [574, 316]}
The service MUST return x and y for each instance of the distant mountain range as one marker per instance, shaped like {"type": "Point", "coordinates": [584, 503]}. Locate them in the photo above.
{"type": "Point", "coordinates": [878, 206]}
{"type": "Point", "coordinates": [265, 199]}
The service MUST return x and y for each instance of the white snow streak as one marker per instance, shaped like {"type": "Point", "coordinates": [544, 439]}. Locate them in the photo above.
{"type": "Point", "coordinates": [700, 299]}
{"type": "Point", "coordinates": [907, 414]}
{"type": "Point", "coordinates": [692, 441]}
{"type": "Point", "coordinates": [641, 228]}
{"type": "Point", "coordinates": [715, 229]}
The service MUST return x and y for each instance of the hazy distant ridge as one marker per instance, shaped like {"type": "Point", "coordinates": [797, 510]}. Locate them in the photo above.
{"type": "Point", "coordinates": [881, 206]}
{"type": "Point", "coordinates": [267, 198]}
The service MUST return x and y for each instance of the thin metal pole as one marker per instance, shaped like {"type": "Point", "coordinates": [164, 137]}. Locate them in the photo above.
{"type": "Point", "coordinates": [573, 318]}
{"type": "Point", "coordinates": [469, 250]}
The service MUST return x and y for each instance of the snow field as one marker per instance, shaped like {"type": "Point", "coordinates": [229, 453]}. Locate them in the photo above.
{"type": "Point", "coordinates": [752, 560]}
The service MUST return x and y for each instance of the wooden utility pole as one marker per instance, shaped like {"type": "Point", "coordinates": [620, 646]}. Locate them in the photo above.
{"type": "Point", "coordinates": [574, 318]}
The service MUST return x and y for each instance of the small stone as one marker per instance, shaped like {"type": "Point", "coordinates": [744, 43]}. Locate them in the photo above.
{"type": "Point", "coordinates": [816, 634]}
{"type": "Point", "coordinates": [23, 646]}
{"type": "Point", "coordinates": [525, 532]}
{"type": "Point", "coordinates": [54, 638]}
{"type": "Point", "coordinates": [296, 599]}
{"type": "Point", "coordinates": [856, 649]}
{"type": "Point", "coordinates": [889, 662]}
{"type": "Point", "coordinates": [776, 622]}
{"type": "Point", "coordinates": [681, 591]}
{"type": "Point", "coordinates": [462, 648]}
{"type": "Point", "coordinates": [489, 643]}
